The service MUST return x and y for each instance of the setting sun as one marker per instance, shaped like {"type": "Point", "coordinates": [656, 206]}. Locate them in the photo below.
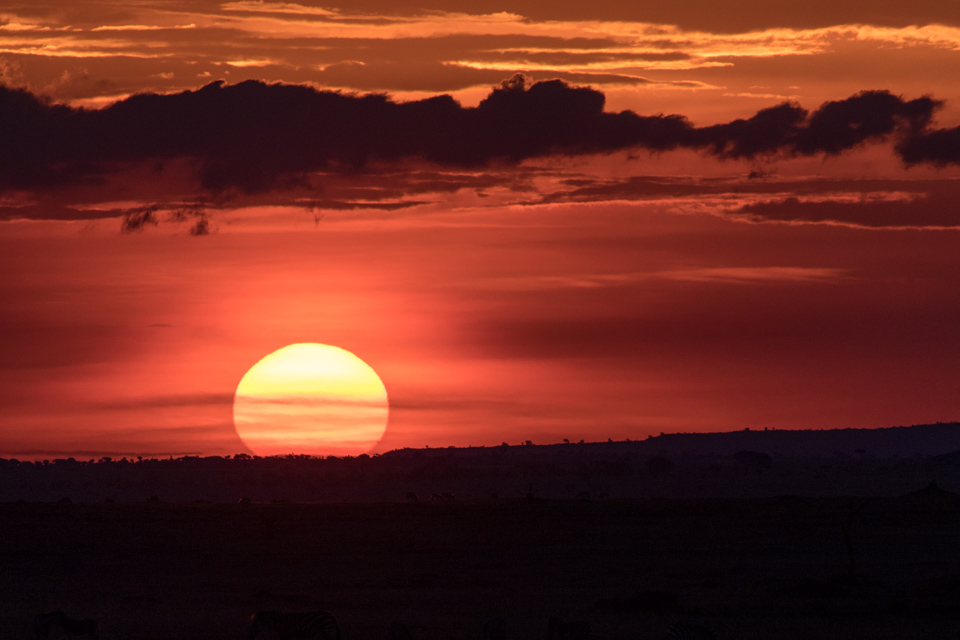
{"type": "Point", "coordinates": [312, 399]}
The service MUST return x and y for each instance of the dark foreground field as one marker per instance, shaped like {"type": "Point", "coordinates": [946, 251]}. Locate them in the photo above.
{"type": "Point", "coordinates": [757, 568]}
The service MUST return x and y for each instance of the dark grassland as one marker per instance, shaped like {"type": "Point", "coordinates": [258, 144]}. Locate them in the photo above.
{"type": "Point", "coordinates": [754, 568]}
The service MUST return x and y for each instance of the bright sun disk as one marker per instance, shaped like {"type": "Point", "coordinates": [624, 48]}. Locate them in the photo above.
{"type": "Point", "coordinates": [310, 398]}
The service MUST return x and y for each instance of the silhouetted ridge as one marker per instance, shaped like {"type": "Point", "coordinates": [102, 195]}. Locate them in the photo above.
{"type": "Point", "coordinates": [865, 462]}
{"type": "Point", "coordinates": [254, 136]}
{"type": "Point", "coordinates": [940, 439]}
{"type": "Point", "coordinates": [893, 442]}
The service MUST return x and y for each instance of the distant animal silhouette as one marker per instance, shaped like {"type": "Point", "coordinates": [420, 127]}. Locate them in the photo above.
{"type": "Point", "coordinates": [690, 632]}
{"type": "Point", "coordinates": [442, 497]}
{"type": "Point", "coordinates": [71, 628]}
{"type": "Point", "coordinates": [495, 629]}
{"type": "Point", "coordinates": [398, 631]}
{"type": "Point", "coordinates": [308, 625]}
{"type": "Point", "coordinates": [558, 629]}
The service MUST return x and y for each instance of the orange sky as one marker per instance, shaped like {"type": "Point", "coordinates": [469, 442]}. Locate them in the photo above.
{"type": "Point", "coordinates": [539, 286]}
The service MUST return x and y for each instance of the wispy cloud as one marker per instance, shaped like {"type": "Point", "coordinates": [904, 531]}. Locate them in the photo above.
{"type": "Point", "coordinates": [755, 275]}
{"type": "Point", "coordinates": [720, 275]}
{"type": "Point", "coordinates": [142, 27]}
{"type": "Point", "coordinates": [258, 6]}
{"type": "Point", "coordinates": [297, 38]}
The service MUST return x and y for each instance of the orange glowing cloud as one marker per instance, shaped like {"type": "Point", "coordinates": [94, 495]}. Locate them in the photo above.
{"type": "Point", "coordinates": [372, 46]}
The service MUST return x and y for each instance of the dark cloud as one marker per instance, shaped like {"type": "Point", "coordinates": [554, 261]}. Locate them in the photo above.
{"type": "Point", "coordinates": [763, 187]}
{"type": "Point", "coordinates": [254, 137]}
{"type": "Point", "coordinates": [769, 131]}
{"type": "Point", "coordinates": [939, 147]}
{"type": "Point", "coordinates": [934, 210]}
{"type": "Point", "coordinates": [835, 127]}
{"type": "Point", "coordinates": [863, 203]}
{"type": "Point", "coordinates": [201, 227]}
{"type": "Point", "coordinates": [843, 124]}
{"type": "Point", "coordinates": [137, 219]}
{"type": "Point", "coordinates": [56, 211]}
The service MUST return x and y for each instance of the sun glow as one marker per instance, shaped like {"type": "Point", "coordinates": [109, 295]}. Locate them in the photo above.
{"type": "Point", "coordinates": [312, 399]}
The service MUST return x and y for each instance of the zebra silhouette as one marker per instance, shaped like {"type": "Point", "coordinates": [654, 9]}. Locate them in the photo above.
{"type": "Point", "coordinates": [690, 632]}
{"type": "Point", "coordinates": [309, 625]}
{"type": "Point", "coordinates": [71, 628]}
{"type": "Point", "coordinates": [558, 629]}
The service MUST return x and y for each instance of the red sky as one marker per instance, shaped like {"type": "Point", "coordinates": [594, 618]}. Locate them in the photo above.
{"type": "Point", "coordinates": [517, 262]}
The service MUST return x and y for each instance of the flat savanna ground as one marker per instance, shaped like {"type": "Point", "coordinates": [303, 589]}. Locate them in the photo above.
{"type": "Point", "coordinates": [757, 568]}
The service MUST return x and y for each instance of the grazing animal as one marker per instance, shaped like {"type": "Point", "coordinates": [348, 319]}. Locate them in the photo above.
{"type": "Point", "coordinates": [495, 629]}
{"type": "Point", "coordinates": [690, 632]}
{"type": "Point", "coordinates": [398, 631]}
{"type": "Point", "coordinates": [412, 497]}
{"type": "Point", "coordinates": [309, 625]}
{"type": "Point", "coordinates": [71, 628]}
{"type": "Point", "coordinates": [558, 629]}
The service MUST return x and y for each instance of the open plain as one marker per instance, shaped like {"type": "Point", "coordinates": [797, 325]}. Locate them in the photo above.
{"type": "Point", "coordinates": [752, 568]}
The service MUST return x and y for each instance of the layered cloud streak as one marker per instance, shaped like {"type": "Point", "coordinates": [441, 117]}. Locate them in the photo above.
{"type": "Point", "coordinates": [255, 137]}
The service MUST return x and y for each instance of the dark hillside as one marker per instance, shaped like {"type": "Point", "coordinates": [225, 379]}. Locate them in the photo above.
{"type": "Point", "coordinates": [893, 442]}
{"type": "Point", "coordinates": [879, 462]}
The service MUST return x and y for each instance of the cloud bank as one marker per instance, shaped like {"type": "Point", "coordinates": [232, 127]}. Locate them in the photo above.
{"type": "Point", "coordinates": [254, 137]}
